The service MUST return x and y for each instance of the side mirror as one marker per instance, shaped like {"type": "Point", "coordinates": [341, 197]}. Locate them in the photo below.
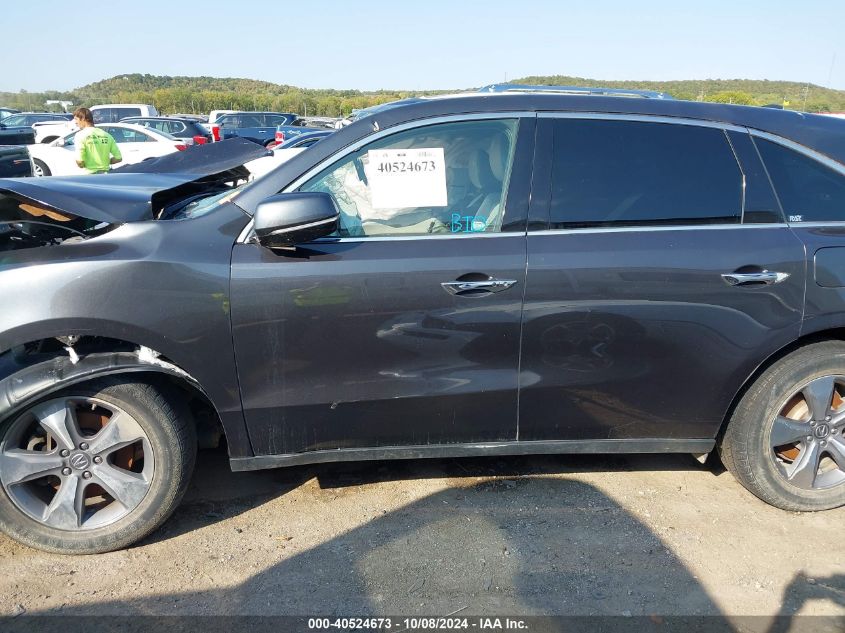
{"type": "Point", "coordinates": [287, 219]}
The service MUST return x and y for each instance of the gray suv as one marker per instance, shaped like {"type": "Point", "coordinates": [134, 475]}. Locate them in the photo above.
{"type": "Point", "coordinates": [496, 274]}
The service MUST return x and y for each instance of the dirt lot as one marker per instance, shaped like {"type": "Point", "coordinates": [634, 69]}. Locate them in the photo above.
{"type": "Point", "coordinates": [548, 535]}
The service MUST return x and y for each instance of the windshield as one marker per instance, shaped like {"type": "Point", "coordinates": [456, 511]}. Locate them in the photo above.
{"type": "Point", "coordinates": [199, 206]}
{"type": "Point", "coordinates": [15, 119]}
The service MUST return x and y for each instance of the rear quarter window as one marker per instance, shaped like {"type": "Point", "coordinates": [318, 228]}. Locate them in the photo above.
{"type": "Point", "coordinates": [809, 191]}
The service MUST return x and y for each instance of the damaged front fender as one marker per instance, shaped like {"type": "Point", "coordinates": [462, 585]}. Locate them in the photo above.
{"type": "Point", "coordinates": [29, 377]}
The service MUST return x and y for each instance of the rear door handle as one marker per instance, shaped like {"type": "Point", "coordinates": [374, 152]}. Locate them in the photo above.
{"type": "Point", "coordinates": [766, 277]}
{"type": "Point", "coordinates": [477, 287]}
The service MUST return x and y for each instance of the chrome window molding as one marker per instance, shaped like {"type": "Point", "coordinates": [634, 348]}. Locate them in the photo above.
{"type": "Point", "coordinates": [424, 236]}
{"type": "Point", "coordinates": [821, 224]}
{"type": "Point", "coordinates": [801, 149]}
{"type": "Point", "coordinates": [653, 229]}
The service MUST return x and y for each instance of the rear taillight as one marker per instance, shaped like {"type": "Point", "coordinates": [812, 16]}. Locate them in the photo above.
{"type": "Point", "coordinates": [200, 140]}
{"type": "Point", "coordinates": [215, 132]}
{"type": "Point", "coordinates": [181, 147]}
{"type": "Point", "coordinates": [280, 137]}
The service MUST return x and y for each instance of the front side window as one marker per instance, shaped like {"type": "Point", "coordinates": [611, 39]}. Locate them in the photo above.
{"type": "Point", "coordinates": [444, 178]}
{"type": "Point", "coordinates": [14, 120]}
{"type": "Point", "coordinates": [808, 190]}
{"type": "Point", "coordinates": [631, 173]}
{"type": "Point", "coordinates": [275, 119]}
{"type": "Point", "coordinates": [124, 113]}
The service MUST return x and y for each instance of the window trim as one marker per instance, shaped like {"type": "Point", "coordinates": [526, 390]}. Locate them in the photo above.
{"type": "Point", "coordinates": [246, 234]}
{"type": "Point", "coordinates": [801, 149]}
{"type": "Point", "coordinates": [645, 118]}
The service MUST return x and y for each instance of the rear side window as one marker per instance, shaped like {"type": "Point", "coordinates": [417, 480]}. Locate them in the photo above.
{"type": "Point", "coordinates": [631, 173]}
{"type": "Point", "coordinates": [808, 190]}
{"type": "Point", "coordinates": [104, 115]}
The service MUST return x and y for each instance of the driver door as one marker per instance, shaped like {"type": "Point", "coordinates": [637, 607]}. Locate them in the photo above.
{"type": "Point", "coordinates": [403, 328]}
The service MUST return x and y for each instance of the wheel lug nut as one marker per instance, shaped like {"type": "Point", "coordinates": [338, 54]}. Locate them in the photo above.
{"type": "Point", "coordinates": [827, 419]}
{"type": "Point", "coordinates": [98, 459]}
{"type": "Point", "coordinates": [83, 446]}
{"type": "Point", "coordinates": [66, 471]}
{"type": "Point", "coordinates": [86, 475]}
{"type": "Point", "coordinates": [65, 452]}
{"type": "Point", "coordinates": [809, 438]}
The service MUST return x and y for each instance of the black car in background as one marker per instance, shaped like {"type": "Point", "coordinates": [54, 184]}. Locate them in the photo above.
{"type": "Point", "coordinates": [16, 129]}
{"type": "Point", "coordinates": [15, 162]}
{"type": "Point", "coordinates": [503, 274]}
{"type": "Point", "coordinates": [182, 128]}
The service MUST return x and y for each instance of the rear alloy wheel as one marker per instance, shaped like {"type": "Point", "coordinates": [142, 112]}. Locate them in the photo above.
{"type": "Point", "coordinates": [93, 468]}
{"type": "Point", "coordinates": [39, 168]}
{"type": "Point", "coordinates": [785, 441]}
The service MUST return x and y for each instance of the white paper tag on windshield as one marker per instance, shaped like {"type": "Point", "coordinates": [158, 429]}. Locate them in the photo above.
{"type": "Point", "coordinates": [402, 178]}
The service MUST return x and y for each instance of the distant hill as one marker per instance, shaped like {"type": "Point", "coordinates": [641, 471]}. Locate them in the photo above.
{"type": "Point", "coordinates": [203, 94]}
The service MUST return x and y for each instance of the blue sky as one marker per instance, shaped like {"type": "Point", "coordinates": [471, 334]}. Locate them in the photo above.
{"type": "Point", "coordinates": [422, 44]}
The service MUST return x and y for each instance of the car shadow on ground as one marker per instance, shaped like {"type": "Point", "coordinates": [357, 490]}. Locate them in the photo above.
{"type": "Point", "coordinates": [217, 494]}
{"type": "Point", "coordinates": [494, 547]}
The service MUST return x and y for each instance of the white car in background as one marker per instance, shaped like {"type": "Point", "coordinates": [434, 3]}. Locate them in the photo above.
{"type": "Point", "coordinates": [261, 166]}
{"type": "Point", "coordinates": [136, 143]}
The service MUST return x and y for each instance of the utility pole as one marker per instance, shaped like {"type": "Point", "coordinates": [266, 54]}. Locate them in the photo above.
{"type": "Point", "coordinates": [804, 104]}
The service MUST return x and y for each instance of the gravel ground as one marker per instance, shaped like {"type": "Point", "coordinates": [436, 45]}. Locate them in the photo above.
{"type": "Point", "coordinates": [578, 535]}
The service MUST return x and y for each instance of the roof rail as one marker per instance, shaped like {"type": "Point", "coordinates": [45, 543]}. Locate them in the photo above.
{"type": "Point", "coordinates": [577, 90]}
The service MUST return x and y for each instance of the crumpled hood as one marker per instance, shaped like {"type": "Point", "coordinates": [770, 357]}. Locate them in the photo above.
{"type": "Point", "coordinates": [128, 194]}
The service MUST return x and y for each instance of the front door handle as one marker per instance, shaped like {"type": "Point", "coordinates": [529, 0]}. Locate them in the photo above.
{"type": "Point", "coordinates": [766, 277]}
{"type": "Point", "coordinates": [477, 287]}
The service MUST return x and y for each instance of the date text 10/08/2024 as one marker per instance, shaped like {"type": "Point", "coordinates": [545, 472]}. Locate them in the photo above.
{"type": "Point", "coordinates": [418, 624]}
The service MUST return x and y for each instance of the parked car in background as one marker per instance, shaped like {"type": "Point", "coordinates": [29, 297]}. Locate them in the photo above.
{"type": "Point", "coordinates": [258, 127]}
{"type": "Point", "coordinates": [214, 115]}
{"type": "Point", "coordinates": [31, 122]}
{"type": "Point", "coordinates": [114, 112]}
{"type": "Point", "coordinates": [186, 129]}
{"type": "Point", "coordinates": [306, 139]}
{"type": "Point", "coordinates": [16, 135]}
{"type": "Point", "coordinates": [15, 162]}
{"type": "Point", "coordinates": [4, 112]}
{"type": "Point", "coordinates": [49, 131]}
{"type": "Point", "coordinates": [298, 126]}
{"type": "Point", "coordinates": [266, 164]}
{"type": "Point", "coordinates": [136, 143]}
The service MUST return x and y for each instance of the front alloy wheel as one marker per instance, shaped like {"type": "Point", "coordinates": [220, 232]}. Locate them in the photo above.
{"type": "Point", "coordinates": [76, 463]}
{"type": "Point", "coordinates": [94, 468]}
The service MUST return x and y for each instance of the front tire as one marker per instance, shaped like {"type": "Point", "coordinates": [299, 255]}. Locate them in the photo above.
{"type": "Point", "coordinates": [95, 467]}
{"type": "Point", "coordinates": [785, 440]}
{"type": "Point", "coordinates": [40, 168]}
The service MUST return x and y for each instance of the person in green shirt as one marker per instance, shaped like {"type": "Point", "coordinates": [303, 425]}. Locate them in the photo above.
{"type": "Point", "coordinates": [96, 150]}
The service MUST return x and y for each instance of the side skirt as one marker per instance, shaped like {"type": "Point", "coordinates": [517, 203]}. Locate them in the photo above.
{"type": "Point", "coordinates": [553, 447]}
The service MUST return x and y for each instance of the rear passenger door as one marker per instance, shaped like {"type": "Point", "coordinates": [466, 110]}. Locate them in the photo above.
{"type": "Point", "coordinates": [661, 273]}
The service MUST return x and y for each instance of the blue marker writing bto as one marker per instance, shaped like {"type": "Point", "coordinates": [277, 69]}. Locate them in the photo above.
{"type": "Point", "coordinates": [467, 224]}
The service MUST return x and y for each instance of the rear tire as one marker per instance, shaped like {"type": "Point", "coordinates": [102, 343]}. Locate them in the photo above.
{"type": "Point", "coordinates": [784, 441]}
{"type": "Point", "coordinates": [40, 168]}
{"type": "Point", "coordinates": [113, 480]}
